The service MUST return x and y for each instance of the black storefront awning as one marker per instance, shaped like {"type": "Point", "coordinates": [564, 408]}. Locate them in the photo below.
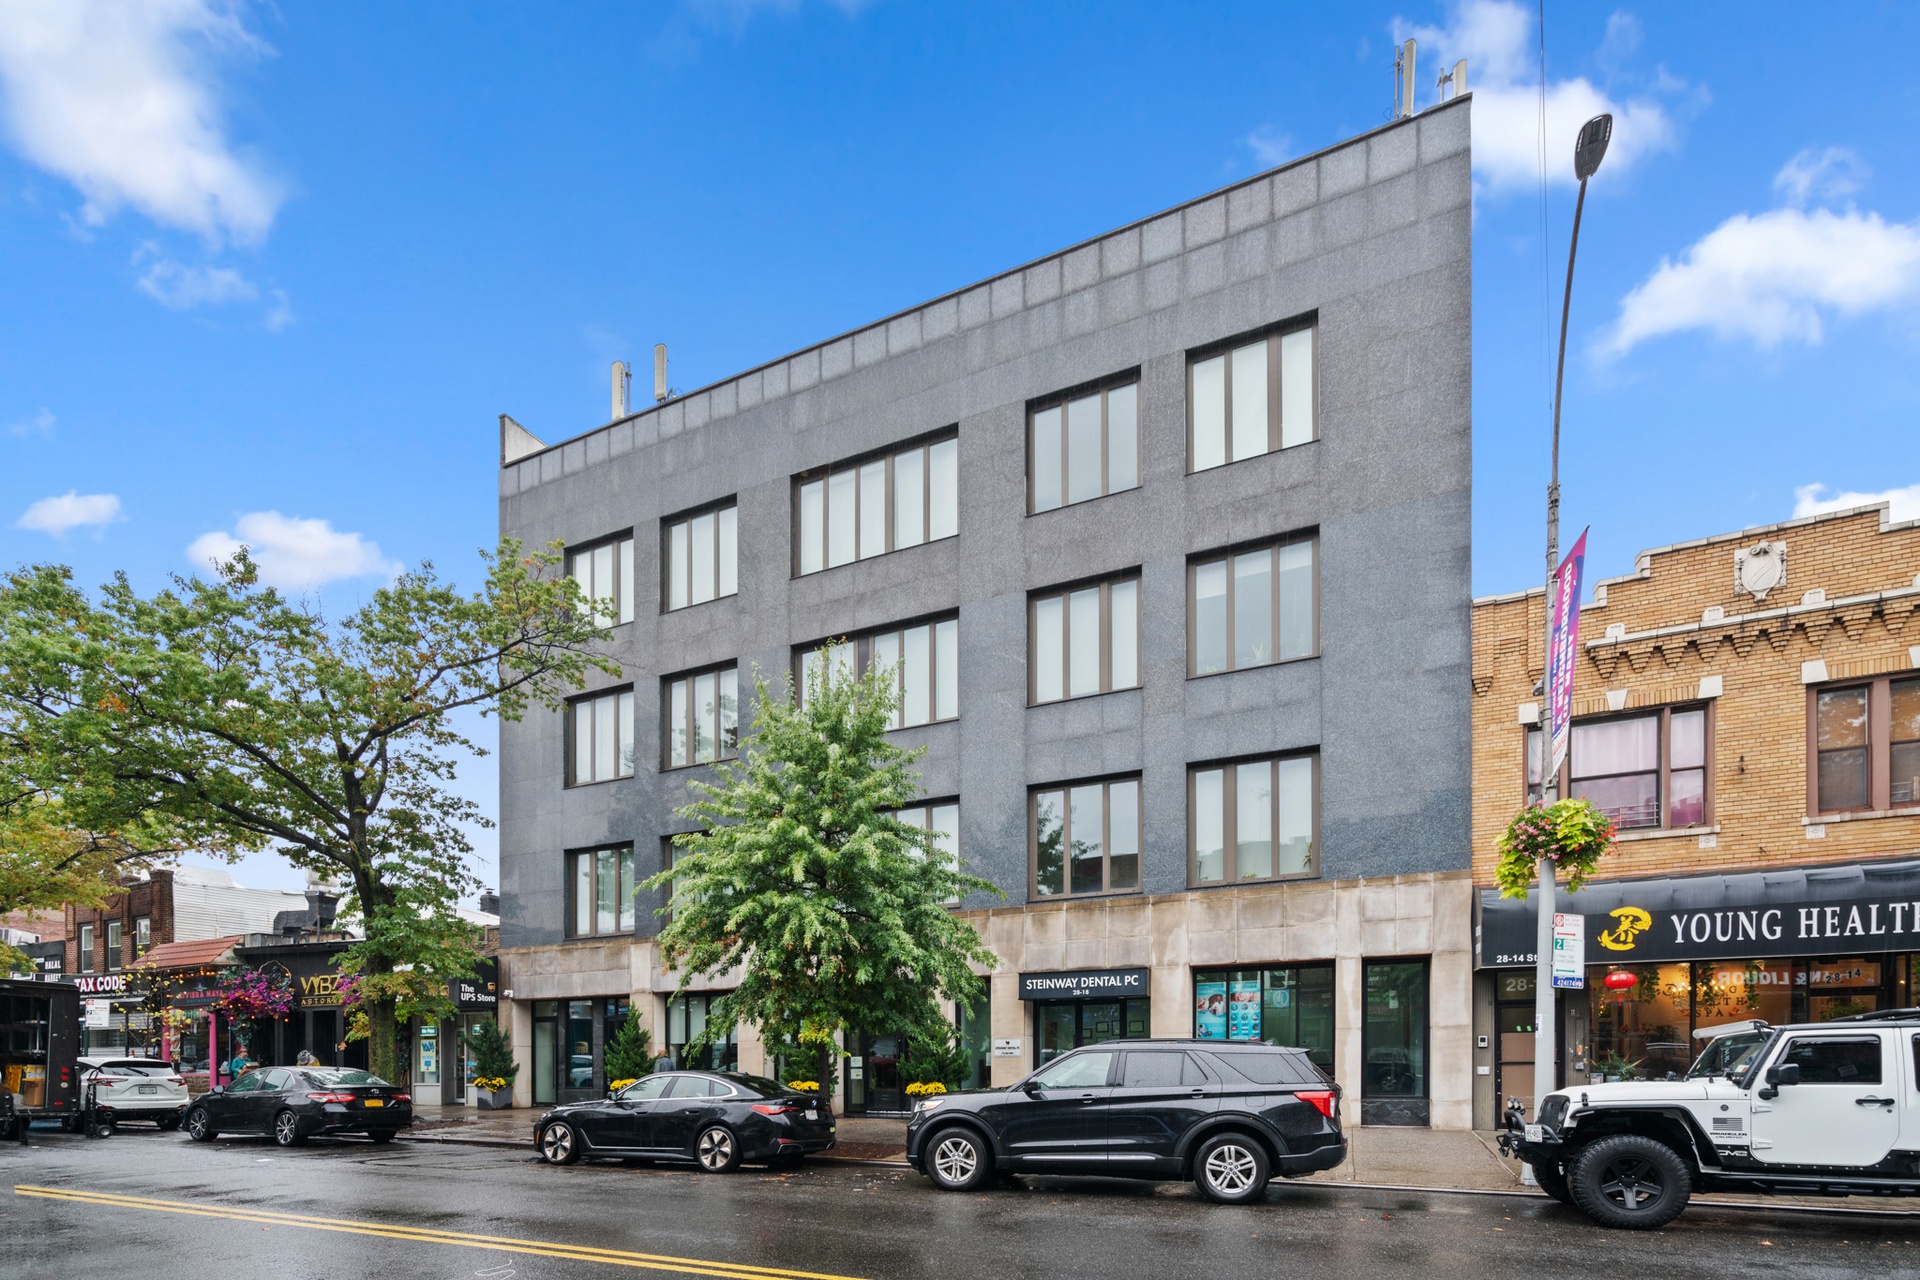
{"type": "Point", "coordinates": [1812, 911]}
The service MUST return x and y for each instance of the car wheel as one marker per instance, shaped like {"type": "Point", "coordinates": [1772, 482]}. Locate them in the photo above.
{"type": "Point", "coordinates": [716, 1150]}
{"type": "Point", "coordinates": [383, 1135]}
{"type": "Point", "coordinates": [1552, 1179]}
{"type": "Point", "coordinates": [1630, 1181]}
{"type": "Point", "coordinates": [559, 1144]}
{"type": "Point", "coordinates": [200, 1125]}
{"type": "Point", "coordinates": [958, 1159]}
{"type": "Point", "coordinates": [1230, 1168]}
{"type": "Point", "coordinates": [286, 1130]}
{"type": "Point", "coordinates": [167, 1124]}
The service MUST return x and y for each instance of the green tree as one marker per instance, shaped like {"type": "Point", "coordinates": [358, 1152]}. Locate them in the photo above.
{"type": "Point", "coordinates": [832, 909]}
{"type": "Point", "coordinates": [240, 718]}
{"type": "Point", "coordinates": [630, 1053]}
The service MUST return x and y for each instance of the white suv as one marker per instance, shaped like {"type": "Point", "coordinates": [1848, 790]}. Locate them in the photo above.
{"type": "Point", "coordinates": [1830, 1108]}
{"type": "Point", "coordinates": [137, 1089]}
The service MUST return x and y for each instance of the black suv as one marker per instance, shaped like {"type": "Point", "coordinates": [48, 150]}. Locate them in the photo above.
{"type": "Point", "coordinates": [1226, 1115]}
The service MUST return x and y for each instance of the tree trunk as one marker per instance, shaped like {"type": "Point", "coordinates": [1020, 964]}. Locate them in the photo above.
{"type": "Point", "coordinates": [826, 1076]}
{"type": "Point", "coordinates": [383, 1050]}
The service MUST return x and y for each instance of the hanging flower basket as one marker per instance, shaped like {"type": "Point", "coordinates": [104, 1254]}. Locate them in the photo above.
{"type": "Point", "coordinates": [1573, 834]}
{"type": "Point", "coordinates": [256, 993]}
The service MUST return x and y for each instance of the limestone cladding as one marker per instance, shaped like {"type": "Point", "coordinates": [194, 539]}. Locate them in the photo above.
{"type": "Point", "coordinates": [1676, 630]}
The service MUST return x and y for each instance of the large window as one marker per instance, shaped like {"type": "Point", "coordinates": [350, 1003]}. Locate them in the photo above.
{"type": "Point", "coordinates": [1252, 606]}
{"type": "Point", "coordinates": [1291, 1006]}
{"type": "Point", "coordinates": [1252, 821]}
{"type": "Point", "coordinates": [1251, 398]}
{"type": "Point", "coordinates": [600, 740]}
{"type": "Point", "coordinates": [1393, 1040]}
{"type": "Point", "coordinates": [605, 574]}
{"type": "Point", "coordinates": [600, 883]}
{"type": "Point", "coordinates": [700, 556]}
{"type": "Point", "coordinates": [862, 509]}
{"type": "Point", "coordinates": [1086, 838]}
{"type": "Point", "coordinates": [689, 1041]}
{"type": "Point", "coordinates": [942, 818]}
{"type": "Point", "coordinates": [1083, 445]}
{"type": "Point", "coordinates": [1084, 640]}
{"type": "Point", "coordinates": [925, 658]}
{"type": "Point", "coordinates": [1866, 751]}
{"type": "Point", "coordinates": [702, 717]}
{"type": "Point", "coordinates": [1643, 771]}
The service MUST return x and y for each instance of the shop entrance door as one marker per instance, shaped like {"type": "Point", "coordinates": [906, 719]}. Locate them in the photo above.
{"type": "Point", "coordinates": [1061, 1025]}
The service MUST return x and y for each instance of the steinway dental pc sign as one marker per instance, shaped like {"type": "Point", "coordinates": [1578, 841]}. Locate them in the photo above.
{"type": "Point", "coordinates": [1822, 911]}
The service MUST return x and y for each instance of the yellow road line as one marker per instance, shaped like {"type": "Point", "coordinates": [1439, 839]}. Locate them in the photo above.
{"type": "Point", "coordinates": [429, 1235]}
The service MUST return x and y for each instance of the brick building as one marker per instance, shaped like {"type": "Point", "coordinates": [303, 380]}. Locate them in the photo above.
{"type": "Point", "coordinates": [1747, 709]}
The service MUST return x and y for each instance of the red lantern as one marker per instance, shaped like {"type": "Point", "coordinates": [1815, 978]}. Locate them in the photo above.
{"type": "Point", "coordinates": [1620, 980]}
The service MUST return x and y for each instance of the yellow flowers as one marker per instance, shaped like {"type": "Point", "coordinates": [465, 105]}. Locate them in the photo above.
{"type": "Point", "coordinates": [928, 1090]}
{"type": "Point", "coordinates": [617, 1085]}
{"type": "Point", "coordinates": [492, 1084]}
{"type": "Point", "coordinates": [804, 1086]}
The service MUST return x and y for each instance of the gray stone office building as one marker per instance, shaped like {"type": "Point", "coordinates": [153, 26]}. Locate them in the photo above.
{"type": "Point", "coordinates": [1168, 536]}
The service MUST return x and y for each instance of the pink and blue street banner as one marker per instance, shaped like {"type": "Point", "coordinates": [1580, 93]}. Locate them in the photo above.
{"type": "Point", "coordinates": [1563, 646]}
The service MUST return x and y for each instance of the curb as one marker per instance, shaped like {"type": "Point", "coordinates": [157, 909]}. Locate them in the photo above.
{"type": "Point", "coordinates": [517, 1144]}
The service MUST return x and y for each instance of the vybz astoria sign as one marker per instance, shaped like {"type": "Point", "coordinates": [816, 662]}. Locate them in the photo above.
{"type": "Point", "coordinates": [1815, 911]}
{"type": "Point", "coordinates": [1084, 984]}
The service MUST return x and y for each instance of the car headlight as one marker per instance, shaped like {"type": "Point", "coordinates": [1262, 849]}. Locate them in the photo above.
{"type": "Point", "coordinates": [928, 1104]}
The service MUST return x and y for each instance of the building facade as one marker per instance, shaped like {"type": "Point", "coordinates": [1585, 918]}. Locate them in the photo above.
{"type": "Point", "coordinates": [1168, 534]}
{"type": "Point", "coordinates": [1747, 710]}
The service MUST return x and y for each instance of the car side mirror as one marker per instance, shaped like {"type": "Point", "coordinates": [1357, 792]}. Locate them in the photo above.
{"type": "Point", "coordinates": [1030, 1087]}
{"type": "Point", "coordinates": [1784, 1073]}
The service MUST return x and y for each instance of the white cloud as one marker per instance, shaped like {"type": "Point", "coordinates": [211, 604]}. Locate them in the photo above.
{"type": "Point", "coordinates": [1772, 277]}
{"type": "Point", "coordinates": [1903, 504]}
{"type": "Point", "coordinates": [1829, 175]}
{"type": "Point", "coordinates": [293, 554]}
{"type": "Point", "coordinates": [280, 315]}
{"type": "Point", "coordinates": [118, 97]}
{"type": "Point", "coordinates": [71, 510]}
{"type": "Point", "coordinates": [1270, 146]}
{"type": "Point", "coordinates": [1497, 39]}
{"type": "Point", "coordinates": [180, 287]}
{"type": "Point", "coordinates": [40, 424]}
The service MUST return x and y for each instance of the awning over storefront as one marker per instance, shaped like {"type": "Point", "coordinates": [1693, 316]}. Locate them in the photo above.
{"type": "Point", "coordinates": [1813, 911]}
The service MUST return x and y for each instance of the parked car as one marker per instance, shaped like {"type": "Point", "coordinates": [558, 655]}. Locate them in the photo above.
{"type": "Point", "coordinates": [1822, 1109]}
{"type": "Point", "coordinates": [1226, 1115]}
{"type": "Point", "coordinates": [715, 1119]}
{"type": "Point", "coordinates": [291, 1104]}
{"type": "Point", "coordinates": [136, 1089]}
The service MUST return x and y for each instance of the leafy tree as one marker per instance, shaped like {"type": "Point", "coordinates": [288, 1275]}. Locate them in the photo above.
{"type": "Point", "coordinates": [935, 1055]}
{"type": "Point", "coordinates": [832, 909]}
{"type": "Point", "coordinates": [491, 1053]}
{"type": "Point", "coordinates": [629, 1054]}
{"type": "Point", "coordinates": [238, 717]}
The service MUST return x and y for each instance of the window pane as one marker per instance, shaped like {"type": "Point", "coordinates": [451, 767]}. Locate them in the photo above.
{"type": "Point", "coordinates": [705, 544]}
{"type": "Point", "coordinates": [582, 894]}
{"type": "Point", "coordinates": [909, 499]}
{"type": "Point", "coordinates": [1125, 597]}
{"type": "Point", "coordinates": [706, 717]}
{"type": "Point", "coordinates": [605, 740]}
{"type": "Point", "coordinates": [606, 892]}
{"type": "Point", "coordinates": [1906, 773]}
{"type": "Point", "coordinates": [1394, 1038]}
{"type": "Point", "coordinates": [580, 569]}
{"type": "Point", "coordinates": [946, 669]}
{"type": "Point", "coordinates": [1049, 649]}
{"type": "Point", "coordinates": [1083, 641]}
{"type": "Point", "coordinates": [873, 509]}
{"type": "Point", "coordinates": [1253, 820]}
{"type": "Point", "coordinates": [1843, 779]}
{"type": "Point", "coordinates": [1209, 827]}
{"type": "Point", "coordinates": [1123, 438]}
{"type": "Point", "coordinates": [1249, 401]}
{"type": "Point", "coordinates": [943, 489]}
{"type": "Point", "coordinates": [1084, 480]}
{"type": "Point", "coordinates": [729, 712]}
{"type": "Point", "coordinates": [1123, 836]}
{"type": "Point", "coordinates": [840, 513]}
{"type": "Point", "coordinates": [1842, 718]}
{"type": "Point", "coordinates": [1210, 413]}
{"type": "Point", "coordinates": [1687, 733]}
{"type": "Point", "coordinates": [623, 735]}
{"type": "Point", "coordinates": [1616, 746]}
{"type": "Point", "coordinates": [1296, 388]}
{"type": "Point", "coordinates": [1630, 800]}
{"type": "Point", "coordinates": [623, 579]}
{"type": "Point", "coordinates": [1296, 816]}
{"type": "Point", "coordinates": [1905, 737]}
{"type": "Point", "coordinates": [1905, 697]}
{"type": "Point", "coordinates": [944, 821]}
{"type": "Point", "coordinates": [1210, 617]}
{"type": "Point", "coordinates": [1046, 459]}
{"type": "Point", "coordinates": [677, 724]}
{"type": "Point", "coordinates": [1296, 599]}
{"type": "Point", "coordinates": [1686, 805]}
{"type": "Point", "coordinates": [1087, 827]}
{"type": "Point", "coordinates": [1048, 832]}
{"type": "Point", "coordinates": [886, 657]}
{"type": "Point", "coordinates": [1253, 608]}
{"type": "Point", "coordinates": [813, 520]}
{"type": "Point", "coordinates": [608, 607]}
{"type": "Point", "coordinates": [625, 858]}
{"type": "Point", "coordinates": [583, 740]}
{"type": "Point", "coordinates": [916, 675]}
{"type": "Point", "coordinates": [729, 551]}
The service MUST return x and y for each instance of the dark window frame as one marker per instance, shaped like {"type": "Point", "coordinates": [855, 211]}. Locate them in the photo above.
{"type": "Point", "coordinates": [624, 602]}
{"type": "Point", "coordinates": [571, 735]}
{"type": "Point", "coordinates": [83, 943]}
{"type": "Point", "coordinates": [888, 453]}
{"type": "Point", "coordinates": [1105, 583]}
{"type": "Point", "coordinates": [1270, 334]}
{"type": "Point", "coordinates": [686, 518]}
{"type": "Point", "coordinates": [1106, 783]}
{"type": "Point", "coordinates": [862, 643]}
{"type": "Point", "coordinates": [1425, 962]}
{"type": "Point", "coordinates": [1230, 819]}
{"type": "Point", "coordinates": [1225, 556]}
{"type": "Point", "coordinates": [116, 933]}
{"type": "Point", "coordinates": [1059, 400]}
{"type": "Point", "coordinates": [1879, 748]}
{"type": "Point", "coordinates": [590, 854]}
{"type": "Point", "coordinates": [1224, 973]}
{"type": "Point", "coordinates": [722, 751]}
{"type": "Point", "coordinates": [1531, 788]}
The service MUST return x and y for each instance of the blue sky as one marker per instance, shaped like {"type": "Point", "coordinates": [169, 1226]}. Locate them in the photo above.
{"type": "Point", "coordinates": [268, 273]}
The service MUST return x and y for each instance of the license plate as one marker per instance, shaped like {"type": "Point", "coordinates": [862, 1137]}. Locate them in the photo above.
{"type": "Point", "coordinates": [376, 1102]}
{"type": "Point", "coordinates": [1536, 1133]}
{"type": "Point", "coordinates": [813, 1115]}
{"type": "Point", "coordinates": [148, 1088]}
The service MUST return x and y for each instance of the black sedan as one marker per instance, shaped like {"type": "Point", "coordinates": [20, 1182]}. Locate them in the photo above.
{"type": "Point", "coordinates": [714, 1119]}
{"type": "Point", "coordinates": [294, 1103]}
{"type": "Point", "coordinates": [1226, 1115]}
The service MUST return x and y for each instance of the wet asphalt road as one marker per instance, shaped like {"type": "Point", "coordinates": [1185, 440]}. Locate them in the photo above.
{"type": "Point", "coordinates": [156, 1205]}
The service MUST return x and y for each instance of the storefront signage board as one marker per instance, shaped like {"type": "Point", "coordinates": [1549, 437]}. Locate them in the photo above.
{"type": "Point", "coordinates": [100, 983]}
{"type": "Point", "coordinates": [1084, 984]}
{"type": "Point", "coordinates": [481, 992]}
{"type": "Point", "coordinates": [1569, 951]}
{"type": "Point", "coordinates": [1007, 1048]}
{"type": "Point", "coordinates": [1210, 1010]}
{"type": "Point", "coordinates": [1820, 911]}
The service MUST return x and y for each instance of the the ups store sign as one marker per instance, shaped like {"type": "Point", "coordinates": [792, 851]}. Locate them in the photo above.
{"type": "Point", "coordinates": [1816, 911]}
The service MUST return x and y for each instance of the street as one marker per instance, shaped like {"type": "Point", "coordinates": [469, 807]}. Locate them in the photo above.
{"type": "Point", "coordinates": [142, 1202]}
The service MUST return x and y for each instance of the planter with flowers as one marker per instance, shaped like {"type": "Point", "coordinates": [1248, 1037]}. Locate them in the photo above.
{"type": "Point", "coordinates": [1572, 835]}
{"type": "Point", "coordinates": [493, 1066]}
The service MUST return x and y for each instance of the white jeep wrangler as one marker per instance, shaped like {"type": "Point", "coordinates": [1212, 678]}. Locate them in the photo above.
{"type": "Point", "coordinates": [1829, 1109]}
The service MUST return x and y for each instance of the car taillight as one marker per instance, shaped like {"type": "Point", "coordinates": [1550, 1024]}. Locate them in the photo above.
{"type": "Point", "coordinates": [401, 1097]}
{"type": "Point", "coordinates": [330, 1097]}
{"type": "Point", "coordinates": [175, 1080]}
{"type": "Point", "coordinates": [770, 1109]}
{"type": "Point", "coordinates": [1320, 1099]}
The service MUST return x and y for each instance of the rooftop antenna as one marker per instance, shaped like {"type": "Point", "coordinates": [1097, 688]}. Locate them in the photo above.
{"type": "Point", "coordinates": [1456, 77]}
{"type": "Point", "coordinates": [622, 389]}
{"type": "Point", "coordinates": [660, 391]}
{"type": "Point", "coordinates": [1403, 82]}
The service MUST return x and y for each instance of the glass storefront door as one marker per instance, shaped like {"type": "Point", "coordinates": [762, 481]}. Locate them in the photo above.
{"type": "Point", "coordinates": [1393, 1043]}
{"type": "Point", "coordinates": [1061, 1025]}
{"type": "Point", "coordinates": [546, 1051]}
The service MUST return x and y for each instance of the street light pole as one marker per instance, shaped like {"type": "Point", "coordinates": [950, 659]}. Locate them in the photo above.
{"type": "Point", "coordinates": [1587, 153]}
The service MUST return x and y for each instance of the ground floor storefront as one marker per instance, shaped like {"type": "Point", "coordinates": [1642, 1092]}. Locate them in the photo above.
{"type": "Point", "coordinates": [1669, 958]}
